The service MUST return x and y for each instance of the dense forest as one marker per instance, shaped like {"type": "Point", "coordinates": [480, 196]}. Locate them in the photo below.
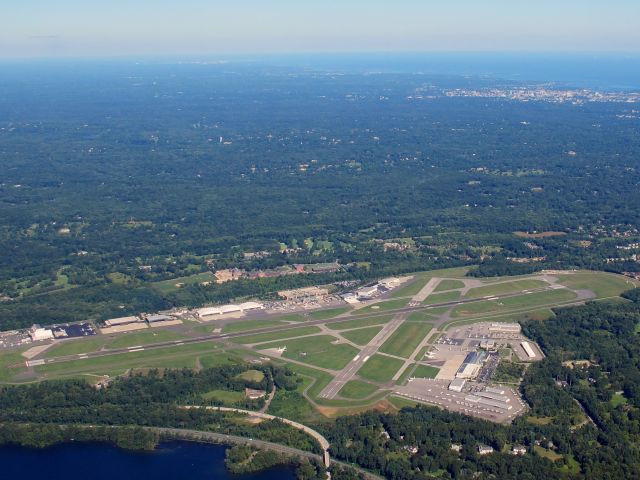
{"type": "Point", "coordinates": [116, 177]}
{"type": "Point", "coordinates": [153, 400]}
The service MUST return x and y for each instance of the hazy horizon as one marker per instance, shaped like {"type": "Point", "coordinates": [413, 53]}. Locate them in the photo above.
{"type": "Point", "coordinates": [37, 28]}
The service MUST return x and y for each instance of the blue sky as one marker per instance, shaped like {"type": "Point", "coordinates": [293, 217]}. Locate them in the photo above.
{"type": "Point", "coordinates": [162, 27]}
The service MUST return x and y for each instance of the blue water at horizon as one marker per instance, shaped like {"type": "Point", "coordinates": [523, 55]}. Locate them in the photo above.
{"type": "Point", "coordinates": [79, 461]}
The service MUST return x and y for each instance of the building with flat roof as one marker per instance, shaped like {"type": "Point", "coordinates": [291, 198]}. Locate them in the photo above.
{"type": "Point", "coordinates": [158, 318]}
{"type": "Point", "coordinates": [528, 350]}
{"type": "Point", "coordinates": [39, 334]}
{"type": "Point", "coordinates": [457, 384]}
{"type": "Point", "coordinates": [112, 322]}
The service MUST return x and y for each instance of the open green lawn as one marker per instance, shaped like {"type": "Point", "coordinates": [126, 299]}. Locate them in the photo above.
{"type": "Point", "coordinates": [169, 357]}
{"type": "Point", "coordinates": [360, 322]}
{"type": "Point", "coordinates": [522, 301]}
{"type": "Point", "coordinates": [357, 389]}
{"type": "Point", "coordinates": [449, 285]}
{"type": "Point", "coordinates": [144, 338]}
{"type": "Point", "coordinates": [361, 336]}
{"type": "Point", "coordinates": [217, 359]}
{"type": "Point", "coordinates": [601, 283]}
{"type": "Point", "coordinates": [383, 306]}
{"type": "Point", "coordinates": [317, 351]}
{"type": "Point", "coordinates": [244, 326]}
{"type": "Point", "coordinates": [412, 287]}
{"type": "Point", "coordinates": [420, 317]}
{"type": "Point", "coordinates": [617, 400]}
{"type": "Point", "coordinates": [227, 397]}
{"type": "Point", "coordinates": [75, 346]}
{"type": "Point", "coordinates": [252, 376]}
{"type": "Point", "coordinates": [11, 364]}
{"type": "Point", "coordinates": [380, 368]}
{"type": "Point", "coordinates": [326, 314]}
{"type": "Point", "coordinates": [168, 286]}
{"type": "Point", "coordinates": [425, 371]}
{"type": "Point", "coordinates": [550, 454]}
{"type": "Point", "coordinates": [401, 402]}
{"type": "Point", "coordinates": [436, 298]}
{"type": "Point", "coordinates": [406, 339]}
{"type": "Point", "coordinates": [506, 287]}
{"type": "Point", "coordinates": [269, 337]}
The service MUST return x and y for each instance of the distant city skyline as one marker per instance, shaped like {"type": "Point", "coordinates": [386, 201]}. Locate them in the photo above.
{"type": "Point", "coordinates": [45, 28]}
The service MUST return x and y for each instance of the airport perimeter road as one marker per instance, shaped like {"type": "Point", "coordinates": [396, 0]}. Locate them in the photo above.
{"type": "Point", "coordinates": [324, 443]}
{"type": "Point", "coordinates": [223, 336]}
{"type": "Point", "coordinates": [347, 373]}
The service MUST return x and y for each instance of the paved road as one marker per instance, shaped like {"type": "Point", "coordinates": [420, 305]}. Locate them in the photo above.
{"type": "Point", "coordinates": [208, 338]}
{"type": "Point", "coordinates": [324, 443]}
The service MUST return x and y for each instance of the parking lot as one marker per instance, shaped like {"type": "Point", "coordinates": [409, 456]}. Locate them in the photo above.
{"type": "Point", "coordinates": [436, 392]}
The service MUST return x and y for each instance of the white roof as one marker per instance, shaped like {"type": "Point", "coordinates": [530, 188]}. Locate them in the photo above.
{"type": "Point", "coordinates": [203, 312]}
{"type": "Point", "coordinates": [229, 308]}
{"type": "Point", "coordinates": [122, 320]}
{"type": "Point", "coordinates": [250, 306]}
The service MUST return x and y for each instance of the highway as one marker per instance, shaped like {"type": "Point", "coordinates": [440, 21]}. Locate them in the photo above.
{"type": "Point", "coordinates": [223, 336]}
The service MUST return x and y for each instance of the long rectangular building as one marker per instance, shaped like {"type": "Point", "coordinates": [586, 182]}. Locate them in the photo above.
{"type": "Point", "coordinates": [528, 350]}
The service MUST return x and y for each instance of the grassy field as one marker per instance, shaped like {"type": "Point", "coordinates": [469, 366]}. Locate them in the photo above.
{"type": "Point", "coordinates": [170, 357]}
{"type": "Point", "coordinates": [247, 325]}
{"type": "Point", "coordinates": [449, 285]}
{"type": "Point", "coordinates": [11, 364]}
{"type": "Point", "coordinates": [411, 288]}
{"type": "Point", "coordinates": [73, 347]}
{"type": "Point", "coordinates": [420, 317]}
{"type": "Point", "coordinates": [522, 301]}
{"type": "Point", "coordinates": [380, 368]}
{"type": "Point", "coordinates": [361, 322]}
{"type": "Point", "coordinates": [383, 306]}
{"type": "Point", "coordinates": [441, 298]}
{"type": "Point", "coordinates": [425, 371]}
{"type": "Point", "coordinates": [168, 286]}
{"type": "Point", "coordinates": [252, 376]}
{"type": "Point", "coordinates": [216, 359]}
{"type": "Point", "coordinates": [326, 314]}
{"type": "Point", "coordinates": [357, 389]}
{"type": "Point", "coordinates": [317, 351]}
{"type": "Point", "coordinates": [145, 338]}
{"type": "Point", "coordinates": [506, 287]}
{"type": "Point", "coordinates": [269, 337]}
{"type": "Point", "coordinates": [225, 396]}
{"type": "Point", "coordinates": [617, 399]}
{"type": "Point", "coordinates": [601, 283]}
{"type": "Point", "coordinates": [361, 336]}
{"type": "Point", "coordinates": [406, 339]}
{"type": "Point", "coordinates": [401, 402]}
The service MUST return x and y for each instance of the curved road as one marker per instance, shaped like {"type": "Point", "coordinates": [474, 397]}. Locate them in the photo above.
{"type": "Point", "coordinates": [324, 443]}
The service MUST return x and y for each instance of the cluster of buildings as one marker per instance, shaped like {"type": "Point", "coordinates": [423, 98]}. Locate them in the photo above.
{"type": "Point", "coordinates": [369, 292]}
{"type": "Point", "coordinates": [138, 322]}
{"type": "Point", "coordinates": [233, 274]}
{"type": "Point", "coordinates": [74, 330]}
{"type": "Point", "coordinates": [210, 313]}
{"type": "Point", "coordinates": [545, 94]}
{"type": "Point", "coordinates": [305, 293]}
